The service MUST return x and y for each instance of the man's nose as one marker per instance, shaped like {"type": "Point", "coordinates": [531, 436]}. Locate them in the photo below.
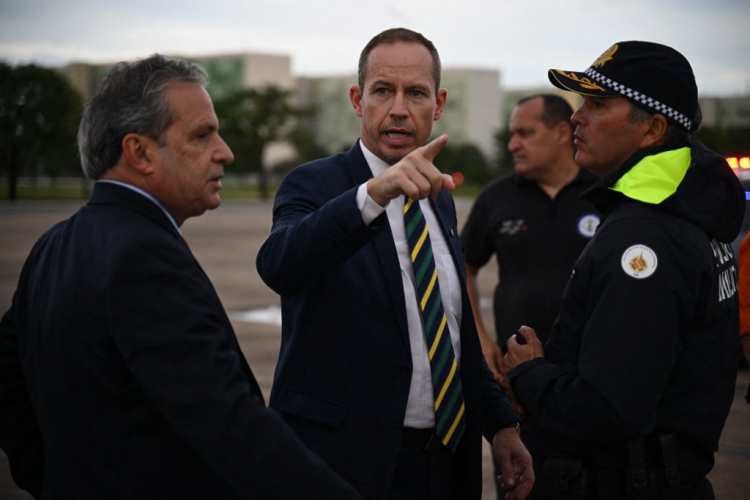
{"type": "Point", "coordinates": [398, 106]}
{"type": "Point", "coordinates": [224, 154]}
{"type": "Point", "coordinates": [577, 117]}
{"type": "Point", "coordinates": [513, 144]}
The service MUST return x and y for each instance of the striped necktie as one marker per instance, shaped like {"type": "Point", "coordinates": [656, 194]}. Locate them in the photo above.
{"type": "Point", "coordinates": [450, 422]}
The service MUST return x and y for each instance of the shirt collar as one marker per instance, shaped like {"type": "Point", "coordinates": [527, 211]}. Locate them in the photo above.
{"type": "Point", "coordinates": [377, 166]}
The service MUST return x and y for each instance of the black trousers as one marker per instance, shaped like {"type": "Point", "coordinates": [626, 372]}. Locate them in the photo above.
{"type": "Point", "coordinates": [425, 475]}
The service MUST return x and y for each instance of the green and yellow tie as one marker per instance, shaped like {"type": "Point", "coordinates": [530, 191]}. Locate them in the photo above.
{"type": "Point", "coordinates": [450, 422]}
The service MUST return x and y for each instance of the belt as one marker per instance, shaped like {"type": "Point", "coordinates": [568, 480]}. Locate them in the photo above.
{"type": "Point", "coordinates": [421, 438]}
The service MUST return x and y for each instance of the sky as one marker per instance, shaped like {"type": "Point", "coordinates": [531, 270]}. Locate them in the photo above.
{"type": "Point", "coordinates": [521, 39]}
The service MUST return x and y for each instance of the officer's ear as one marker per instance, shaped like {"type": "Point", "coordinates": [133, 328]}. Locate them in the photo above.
{"type": "Point", "coordinates": [654, 134]}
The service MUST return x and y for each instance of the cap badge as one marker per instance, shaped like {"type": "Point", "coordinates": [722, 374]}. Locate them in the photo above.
{"type": "Point", "coordinates": [606, 56]}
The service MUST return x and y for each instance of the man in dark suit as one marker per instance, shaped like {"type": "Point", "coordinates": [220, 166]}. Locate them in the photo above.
{"type": "Point", "coordinates": [356, 368]}
{"type": "Point", "coordinates": [120, 375]}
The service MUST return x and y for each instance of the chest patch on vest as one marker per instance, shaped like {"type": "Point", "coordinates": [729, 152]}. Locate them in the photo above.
{"type": "Point", "coordinates": [587, 225]}
{"type": "Point", "coordinates": [639, 261]}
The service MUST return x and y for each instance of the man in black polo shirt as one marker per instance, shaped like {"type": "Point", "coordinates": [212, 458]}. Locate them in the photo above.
{"type": "Point", "coordinates": [533, 220]}
{"type": "Point", "coordinates": [536, 224]}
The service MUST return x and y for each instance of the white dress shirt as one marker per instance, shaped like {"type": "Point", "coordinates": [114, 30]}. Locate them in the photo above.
{"type": "Point", "coordinates": [420, 411]}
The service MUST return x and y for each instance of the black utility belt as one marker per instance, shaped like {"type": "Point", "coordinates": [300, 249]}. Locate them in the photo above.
{"type": "Point", "coordinates": [645, 468]}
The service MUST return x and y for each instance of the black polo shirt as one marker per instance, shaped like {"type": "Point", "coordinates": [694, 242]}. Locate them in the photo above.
{"type": "Point", "coordinates": [536, 240]}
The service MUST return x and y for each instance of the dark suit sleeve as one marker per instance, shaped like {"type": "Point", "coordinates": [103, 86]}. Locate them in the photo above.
{"type": "Point", "coordinates": [316, 226]}
{"type": "Point", "coordinates": [171, 330]}
{"type": "Point", "coordinates": [497, 413]}
{"type": "Point", "coordinates": [20, 437]}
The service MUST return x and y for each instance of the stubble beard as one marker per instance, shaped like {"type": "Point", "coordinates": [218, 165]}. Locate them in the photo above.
{"type": "Point", "coordinates": [392, 160]}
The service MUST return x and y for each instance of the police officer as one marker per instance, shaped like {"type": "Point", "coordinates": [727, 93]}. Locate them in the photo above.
{"type": "Point", "coordinates": [630, 393]}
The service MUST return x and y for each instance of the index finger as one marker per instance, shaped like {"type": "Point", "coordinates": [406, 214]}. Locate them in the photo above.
{"type": "Point", "coordinates": [432, 148]}
{"type": "Point", "coordinates": [507, 473]}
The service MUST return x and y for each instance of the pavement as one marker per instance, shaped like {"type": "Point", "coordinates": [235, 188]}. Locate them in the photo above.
{"type": "Point", "coordinates": [225, 242]}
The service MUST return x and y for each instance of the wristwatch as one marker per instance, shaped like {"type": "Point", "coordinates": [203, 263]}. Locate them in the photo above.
{"type": "Point", "coordinates": [516, 426]}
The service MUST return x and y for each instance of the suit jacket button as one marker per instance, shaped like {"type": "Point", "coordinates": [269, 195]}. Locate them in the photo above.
{"type": "Point", "coordinates": [395, 422]}
{"type": "Point", "coordinates": [405, 370]}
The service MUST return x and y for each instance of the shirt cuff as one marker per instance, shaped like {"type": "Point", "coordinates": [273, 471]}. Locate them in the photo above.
{"type": "Point", "coordinates": [369, 209]}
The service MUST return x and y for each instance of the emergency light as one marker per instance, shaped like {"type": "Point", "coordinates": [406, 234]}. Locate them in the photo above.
{"type": "Point", "coordinates": [741, 167]}
{"type": "Point", "coordinates": [739, 163]}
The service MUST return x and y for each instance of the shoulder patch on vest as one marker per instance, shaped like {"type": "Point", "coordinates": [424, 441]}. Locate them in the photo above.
{"type": "Point", "coordinates": [639, 261]}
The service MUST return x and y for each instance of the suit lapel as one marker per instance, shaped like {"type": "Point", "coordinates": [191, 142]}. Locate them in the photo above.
{"type": "Point", "coordinates": [445, 212]}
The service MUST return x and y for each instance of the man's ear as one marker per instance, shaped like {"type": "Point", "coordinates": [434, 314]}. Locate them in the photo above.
{"type": "Point", "coordinates": [355, 95]}
{"type": "Point", "coordinates": [138, 151]}
{"type": "Point", "coordinates": [442, 98]}
{"type": "Point", "coordinates": [657, 128]}
{"type": "Point", "coordinates": [562, 133]}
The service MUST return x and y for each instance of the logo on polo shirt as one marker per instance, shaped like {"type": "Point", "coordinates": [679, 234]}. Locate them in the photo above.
{"type": "Point", "coordinates": [512, 227]}
{"type": "Point", "coordinates": [639, 261]}
{"type": "Point", "coordinates": [587, 225]}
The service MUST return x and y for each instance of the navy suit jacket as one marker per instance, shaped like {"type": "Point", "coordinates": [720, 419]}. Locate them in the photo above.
{"type": "Point", "coordinates": [121, 376]}
{"type": "Point", "coordinates": [343, 376]}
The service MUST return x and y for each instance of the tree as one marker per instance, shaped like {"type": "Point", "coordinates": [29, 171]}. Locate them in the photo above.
{"type": "Point", "coordinates": [467, 159]}
{"type": "Point", "coordinates": [39, 115]}
{"type": "Point", "coordinates": [306, 146]}
{"type": "Point", "coordinates": [250, 120]}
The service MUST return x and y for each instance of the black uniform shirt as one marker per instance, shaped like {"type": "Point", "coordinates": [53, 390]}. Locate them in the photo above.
{"type": "Point", "coordinates": [536, 240]}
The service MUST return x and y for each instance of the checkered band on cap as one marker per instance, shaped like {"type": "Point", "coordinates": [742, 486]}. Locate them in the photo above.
{"type": "Point", "coordinates": [634, 95]}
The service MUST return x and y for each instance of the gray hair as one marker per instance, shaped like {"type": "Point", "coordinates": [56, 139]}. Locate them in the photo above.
{"type": "Point", "coordinates": [130, 99]}
{"type": "Point", "coordinates": [674, 135]}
